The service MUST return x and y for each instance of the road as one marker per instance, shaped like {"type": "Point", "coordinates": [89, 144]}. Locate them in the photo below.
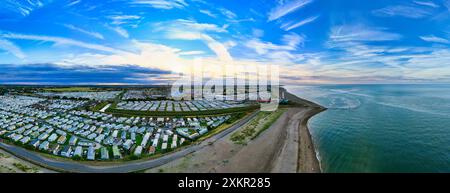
{"type": "Point", "coordinates": [67, 166]}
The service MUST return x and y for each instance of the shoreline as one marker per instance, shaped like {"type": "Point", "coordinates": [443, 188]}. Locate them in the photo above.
{"type": "Point", "coordinates": [308, 160]}
{"type": "Point", "coordinates": [310, 148]}
{"type": "Point", "coordinates": [295, 151]}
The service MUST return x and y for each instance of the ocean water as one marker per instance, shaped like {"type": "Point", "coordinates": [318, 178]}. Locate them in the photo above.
{"type": "Point", "coordinates": [381, 128]}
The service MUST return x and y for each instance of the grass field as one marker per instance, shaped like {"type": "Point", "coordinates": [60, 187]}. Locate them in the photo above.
{"type": "Point", "coordinates": [121, 112]}
{"type": "Point", "coordinates": [99, 106]}
{"type": "Point", "coordinates": [259, 124]}
{"type": "Point", "coordinates": [70, 89]}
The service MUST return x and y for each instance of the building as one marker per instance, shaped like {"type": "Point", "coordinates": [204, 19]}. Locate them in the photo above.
{"type": "Point", "coordinates": [34, 143]}
{"type": "Point", "coordinates": [91, 153]}
{"type": "Point", "coordinates": [104, 153]}
{"type": "Point", "coordinates": [73, 140]}
{"type": "Point", "coordinates": [25, 140]}
{"type": "Point", "coordinates": [78, 151]}
{"type": "Point", "coordinates": [67, 150]}
{"type": "Point", "coordinates": [53, 137]}
{"type": "Point", "coordinates": [127, 145]}
{"type": "Point", "coordinates": [116, 152]}
{"type": "Point", "coordinates": [44, 146]}
{"type": "Point", "coordinates": [56, 150]}
{"type": "Point", "coordinates": [62, 139]}
{"type": "Point", "coordinates": [138, 151]}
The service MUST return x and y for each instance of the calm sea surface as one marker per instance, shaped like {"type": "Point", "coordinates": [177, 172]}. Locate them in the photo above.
{"type": "Point", "coordinates": [381, 128]}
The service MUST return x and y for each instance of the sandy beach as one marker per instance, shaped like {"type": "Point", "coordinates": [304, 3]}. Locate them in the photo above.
{"type": "Point", "coordinates": [285, 146]}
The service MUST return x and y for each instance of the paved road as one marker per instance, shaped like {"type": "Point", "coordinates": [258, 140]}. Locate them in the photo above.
{"type": "Point", "coordinates": [122, 168]}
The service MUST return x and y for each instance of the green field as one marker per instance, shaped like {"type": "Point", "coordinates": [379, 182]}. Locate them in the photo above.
{"type": "Point", "coordinates": [121, 112]}
{"type": "Point", "coordinates": [70, 89]}
{"type": "Point", "coordinates": [259, 124]}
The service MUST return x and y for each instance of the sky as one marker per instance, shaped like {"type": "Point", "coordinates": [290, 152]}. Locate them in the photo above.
{"type": "Point", "coordinates": [152, 41]}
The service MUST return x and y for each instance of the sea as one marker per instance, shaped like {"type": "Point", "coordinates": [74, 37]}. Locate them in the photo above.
{"type": "Point", "coordinates": [380, 128]}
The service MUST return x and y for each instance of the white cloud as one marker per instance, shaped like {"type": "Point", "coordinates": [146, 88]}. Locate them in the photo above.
{"type": "Point", "coordinates": [403, 11]}
{"type": "Point", "coordinates": [61, 41]}
{"type": "Point", "coordinates": [11, 48]}
{"type": "Point", "coordinates": [230, 44]}
{"type": "Point", "coordinates": [73, 3]}
{"type": "Point", "coordinates": [293, 40]}
{"type": "Point", "coordinates": [122, 32]}
{"type": "Point", "coordinates": [190, 53]}
{"type": "Point", "coordinates": [286, 8]}
{"type": "Point", "coordinates": [24, 8]}
{"type": "Point", "coordinates": [432, 38]}
{"type": "Point", "coordinates": [257, 33]}
{"type": "Point", "coordinates": [187, 26]}
{"type": "Point", "coordinates": [207, 12]}
{"type": "Point", "coordinates": [92, 34]}
{"type": "Point", "coordinates": [229, 14]}
{"type": "Point", "coordinates": [263, 47]}
{"type": "Point", "coordinates": [124, 19]}
{"type": "Point", "coordinates": [190, 30]}
{"type": "Point", "coordinates": [161, 4]}
{"type": "Point", "coordinates": [289, 26]}
{"type": "Point", "coordinates": [427, 3]}
{"type": "Point", "coordinates": [360, 32]}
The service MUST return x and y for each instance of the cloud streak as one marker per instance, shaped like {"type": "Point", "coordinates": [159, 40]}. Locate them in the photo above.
{"type": "Point", "coordinates": [290, 25]}
{"type": "Point", "coordinates": [11, 48]}
{"type": "Point", "coordinates": [402, 11]}
{"type": "Point", "coordinates": [161, 4]}
{"type": "Point", "coordinates": [434, 39]}
{"type": "Point", "coordinates": [89, 33]}
{"type": "Point", "coordinates": [61, 41]}
{"type": "Point", "coordinates": [287, 8]}
{"type": "Point", "coordinates": [427, 3]}
{"type": "Point", "coordinates": [361, 32]}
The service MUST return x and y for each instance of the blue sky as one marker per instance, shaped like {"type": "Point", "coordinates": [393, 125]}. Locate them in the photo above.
{"type": "Point", "coordinates": [146, 41]}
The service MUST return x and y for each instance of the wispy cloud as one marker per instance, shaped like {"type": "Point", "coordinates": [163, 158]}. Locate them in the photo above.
{"type": "Point", "coordinates": [161, 4]}
{"type": "Point", "coordinates": [294, 40]}
{"type": "Point", "coordinates": [11, 48]}
{"type": "Point", "coordinates": [402, 11]}
{"type": "Point", "coordinates": [447, 4]}
{"type": "Point", "coordinates": [72, 3]}
{"type": "Point", "coordinates": [427, 3]}
{"type": "Point", "coordinates": [122, 32]}
{"type": "Point", "coordinates": [263, 47]}
{"type": "Point", "coordinates": [229, 14]}
{"type": "Point", "coordinates": [208, 13]}
{"type": "Point", "coordinates": [291, 25]}
{"type": "Point", "coordinates": [123, 19]}
{"type": "Point", "coordinates": [360, 32]}
{"type": "Point", "coordinates": [286, 8]}
{"type": "Point", "coordinates": [24, 8]}
{"type": "Point", "coordinates": [61, 41]}
{"type": "Point", "coordinates": [434, 39]}
{"type": "Point", "coordinates": [257, 33]}
{"type": "Point", "coordinates": [190, 30]}
{"type": "Point", "coordinates": [190, 53]}
{"type": "Point", "coordinates": [92, 34]}
{"type": "Point", "coordinates": [118, 30]}
{"type": "Point", "coordinates": [185, 25]}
